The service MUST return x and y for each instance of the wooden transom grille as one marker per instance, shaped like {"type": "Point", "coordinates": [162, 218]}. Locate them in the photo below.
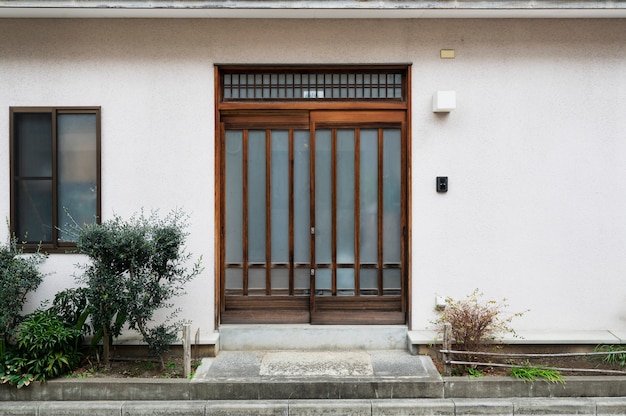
{"type": "Point", "coordinates": [314, 85]}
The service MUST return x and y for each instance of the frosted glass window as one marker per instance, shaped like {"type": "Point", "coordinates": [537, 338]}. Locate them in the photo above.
{"type": "Point", "coordinates": [392, 233]}
{"type": "Point", "coordinates": [369, 197]}
{"type": "Point", "coordinates": [234, 196]}
{"type": "Point", "coordinates": [77, 172]}
{"type": "Point", "coordinates": [280, 196]}
{"type": "Point", "coordinates": [323, 196]}
{"type": "Point", "coordinates": [55, 172]}
{"type": "Point", "coordinates": [256, 196]}
{"type": "Point", "coordinates": [345, 196]}
{"type": "Point", "coordinates": [302, 197]}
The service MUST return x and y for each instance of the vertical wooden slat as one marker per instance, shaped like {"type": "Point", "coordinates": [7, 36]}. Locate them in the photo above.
{"type": "Point", "coordinates": [245, 211]}
{"type": "Point", "coordinates": [357, 211]}
{"type": "Point", "coordinates": [268, 211]}
{"type": "Point", "coordinates": [380, 211]}
{"type": "Point", "coordinates": [220, 192]}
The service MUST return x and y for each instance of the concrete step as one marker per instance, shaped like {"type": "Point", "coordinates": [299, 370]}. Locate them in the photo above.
{"type": "Point", "coordinates": [375, 407]}
{"type": "Point", "coordinates": [313, 337]}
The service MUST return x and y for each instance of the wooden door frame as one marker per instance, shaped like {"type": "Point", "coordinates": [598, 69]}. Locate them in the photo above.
{"type": "Point", "coordinates": [249, 108]}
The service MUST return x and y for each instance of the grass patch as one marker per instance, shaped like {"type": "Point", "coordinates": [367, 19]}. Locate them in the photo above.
{"type": "Point", "coordinates": [530, 373]}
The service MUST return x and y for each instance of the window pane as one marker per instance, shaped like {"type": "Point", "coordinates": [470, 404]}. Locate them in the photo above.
{"type": "Point", "coordinates": [391, 195]}
{"type": "Point", "coordinates": [392, 281]}
{"type": "Point", "coordinates": [323, 200]}
{"type": "Point", "coordinates": [280, 279]}
{"type": "Point", "coordinates": [234, 197]}
{"type": "Point", "coordinates": [369, 281]}
{"type": "Point", "coordinates": [302, 280]}
{"type": "Point", "coordinates": [345, 281]}
{"type": "Point", "coordinates": [256, 281]}
{"type": "Point", "coordinates": [77, 172]}
{"type": "Point", "coordinates": [234, 279]}
{"type": "Point", "coordinates": [369, 196]}
{"type": "Point", "coordinates": [34, 205]}
{"type": "Point", "coordinates": [256, 196]}
{"type": "Point", "coordinates": [323, 282]}
{"type": "Point", "coordinates": [33, 144]}
{"type": "Point", "coordinates": [302, 196]}
{"type": "Point", "coordinates": [280, 196]}
{"type": "Point", "coordinates": [345, 196]}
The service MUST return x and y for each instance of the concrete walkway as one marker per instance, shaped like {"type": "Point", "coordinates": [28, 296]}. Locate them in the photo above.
{"type": "Point", "coordinates": [390, 382]}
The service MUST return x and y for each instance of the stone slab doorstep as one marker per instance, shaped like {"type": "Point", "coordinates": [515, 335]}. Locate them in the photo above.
{"type": "Point", "coordinates": [412, 407]}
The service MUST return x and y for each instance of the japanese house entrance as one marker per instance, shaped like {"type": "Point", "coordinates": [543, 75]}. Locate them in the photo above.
{"type": "Point", "coordinates": [313, 207]}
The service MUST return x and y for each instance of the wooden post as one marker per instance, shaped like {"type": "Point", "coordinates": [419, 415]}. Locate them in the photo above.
{"type": "Point", "coordinates": [187, 349]}
{"type": "Point", "coordinates": [447, 346]}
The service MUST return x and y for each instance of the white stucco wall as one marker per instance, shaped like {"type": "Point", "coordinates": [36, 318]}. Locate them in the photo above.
{"type": "Point", "coordinates": [535, 151]}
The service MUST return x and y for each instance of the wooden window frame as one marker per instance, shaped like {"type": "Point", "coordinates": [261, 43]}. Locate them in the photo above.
{"type": "Point", "coordinates": [55, 246]}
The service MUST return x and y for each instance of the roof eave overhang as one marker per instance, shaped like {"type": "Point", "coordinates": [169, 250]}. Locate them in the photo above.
{"type": "Point", "coordinates": [312, 9]}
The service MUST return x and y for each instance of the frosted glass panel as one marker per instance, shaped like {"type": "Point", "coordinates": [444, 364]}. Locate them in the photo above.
{"type": "Point", "coordinates": [345, 281]}
{"type": "Point", "coordinates": [369, 196]}
{"type": "Point", "coordinates": [77, 172]}
{"type": "Point", "coordinates": [256, 196]}
{"type": "Point", "coordinates": [323, 197]}
{"type": "Point", "coordinates": [234, 279]}
{"type": "Point", "coordinates": [33, 134]}
{"type": "Point", "coordinates": [369, 281]}
{"type": "Point", "coordinates": [280, 279]}
{"type": "Point", "coordinates": [302, 279]}
{"type": "Point", "coordinates": [280, 196]}
{"type": "Point", "coordinates": [392, 281]}
{"type": "Point", "coordinates": [234, 197]}
{"type": "Point", "coordinates": [34, 203]}
{"type": "Point", "coordinates": [256, 279]}
{"type": "Point", "coordinates": [302, 197]}
{"type": "Point", "coordinates": [323, 282]}
{"type": "Point", "coordinates": [345, 196]}
{"type": "Point", "coordinates": [391, 195]}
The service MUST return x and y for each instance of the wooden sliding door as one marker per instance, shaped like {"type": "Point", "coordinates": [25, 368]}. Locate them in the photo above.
{"type": "Point", "coordinates": [313, 215]}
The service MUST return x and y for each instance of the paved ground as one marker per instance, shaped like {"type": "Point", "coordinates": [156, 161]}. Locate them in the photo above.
{"type": "Point", "coordinates": [295, 383]}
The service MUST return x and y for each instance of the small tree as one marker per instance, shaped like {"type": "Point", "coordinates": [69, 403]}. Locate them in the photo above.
{"type": "Point", "coordinates": [475, 321]}
{"type": "Point", "coordinates": [137, 267]}
{"type": "Point", "coordinates": [19, 275]}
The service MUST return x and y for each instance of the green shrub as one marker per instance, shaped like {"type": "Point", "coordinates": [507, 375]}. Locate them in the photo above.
{"type": "Point", "coordinates": [46, 348]}
{"type": "Point", "coordinates": [137, 266]}
{"type": "Point", "coordinates": [617, 356]}
{"type": "Point", "coordinates": [19, 275]}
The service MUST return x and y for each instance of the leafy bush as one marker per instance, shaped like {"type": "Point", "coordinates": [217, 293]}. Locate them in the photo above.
{"type": "Point", "coordinates": [617, 356]}
{"type": "Point", "coordinates": [474, 321]}
{"type": "Point", "coordinates": [137, 267]}
{"type": "Point", "coordinates": [19, 275]}
{"type": "Point", "coordinates": [46, 348]}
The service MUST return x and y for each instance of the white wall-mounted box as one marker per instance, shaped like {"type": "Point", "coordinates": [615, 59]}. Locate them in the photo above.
{"type": "Point", "coordinates": [444, 101]}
